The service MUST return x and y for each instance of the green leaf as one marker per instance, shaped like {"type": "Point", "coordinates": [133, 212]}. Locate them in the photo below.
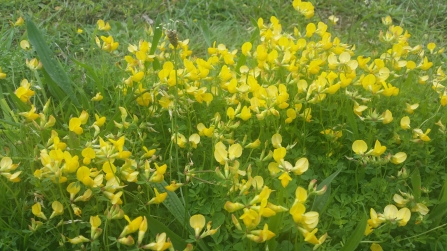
{"type": "Point", "coordinates": [176, 208]}
{"type": "Point", "coordinates": [240, 62]}
{"type": "Point", "coordinates": [321, 201]}
{"type": "Point", "coordinates": [7, 112]}
{"type": "Point", "coordinates": [205, 32]}
{"type": "Point", "coordinates": [352, 122]}
{"type": "Point", "coordinates": [156, 227]}
{"type": "Point", "coordinates": [416, 183]}
{"type": "Point", "coordinates": [91, 73]}
{"type": "Point", "coordinates": [356, 236]}
{"type": "Point", "coordinates": [437, 213]}
{"type": "Point", "coordinates": [157, 35]}
{"type": "Point", "coordinates": [51, 65]}
{"type": "Point", "coordinates": [172, 203]}
{"type": "Point", "coordinates": [444, 191]}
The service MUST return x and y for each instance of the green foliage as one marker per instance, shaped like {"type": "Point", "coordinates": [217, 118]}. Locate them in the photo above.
{"type": "Point", "coordinates": [250, 134]}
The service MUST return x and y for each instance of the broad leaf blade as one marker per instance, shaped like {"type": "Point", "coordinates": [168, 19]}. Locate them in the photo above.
{"type": "Point", "coordinates": [176, 208]}
{"type": "Point", "coordinates": [156, 227]}
{"type": "Point", "coordinates": [320, 201]}
{"type": "Point", "coordinates": [51, 65]}
{"type": "Point", "coordinates": [416, 183]}
{"type": "Point", "coordinates": [356, 236]}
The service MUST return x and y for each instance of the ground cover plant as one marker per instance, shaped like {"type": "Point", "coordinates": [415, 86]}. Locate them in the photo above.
{"type": "Point", "coordinates": [292, 134]}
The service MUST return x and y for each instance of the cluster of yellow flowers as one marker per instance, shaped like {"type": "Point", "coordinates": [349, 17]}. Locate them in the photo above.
{"type": "Point", "coordinates": [279, 82]}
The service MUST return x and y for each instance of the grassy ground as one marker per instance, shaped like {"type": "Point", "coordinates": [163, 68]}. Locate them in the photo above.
{"type": "Point", "coordinates": [230, 22]}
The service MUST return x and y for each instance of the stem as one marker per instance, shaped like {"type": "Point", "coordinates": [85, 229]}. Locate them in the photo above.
{"type": "Point", "coordinates": [414, 236]}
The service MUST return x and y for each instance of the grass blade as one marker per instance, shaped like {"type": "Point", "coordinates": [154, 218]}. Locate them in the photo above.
{"type": "Point", "coordinates": [356, 236]}
{"type": "Point", "coordinates": [51, 65]}
{"type": "Point", "coordinates": [156, 227]}
{"type": "Point", "coordinates": [416, 183]}
{"type": "Point", "coordinates": [321, 201]}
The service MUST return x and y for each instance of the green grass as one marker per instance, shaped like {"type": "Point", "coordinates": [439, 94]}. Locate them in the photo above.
{"type": "Point", "coordinates": [356, 188]}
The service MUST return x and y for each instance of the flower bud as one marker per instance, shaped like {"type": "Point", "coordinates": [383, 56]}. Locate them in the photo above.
{"type": "Point", "coordinates": [34, 225]}
{"type": "Point", "coordinates": [128, 241]}
{"type": "Point", "coordinates": [78, 239]}
{"type": "Point", "coordinates": [321, 191]}
{"type": "Point", "coordinates": [312, 186]}
{"type": "Point", "coordinates": [236, 222]}
{"type": "Point", "coordinates": [402, 173]}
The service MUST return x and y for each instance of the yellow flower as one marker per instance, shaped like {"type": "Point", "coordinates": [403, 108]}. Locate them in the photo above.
{"type": "Point", "coordinates": [374, 220]}
{"type": "Point", "coordinates": [285, 179]}
{"type": "Point", "coordinates": [158, 175]}
{"type": "Point", "coordinates": [398, 158]}
{"type": "Point", "coordinates": [97, 97]}
{"type": "Point", "coordinates": [376, 247]}
{"type": "Point", "coordinates": [85, 196]}
{"type": "Point", "coordinates": [78, 239]}
{"type": "Point", "coordinates": [34, 64]}
{"type": "Point", "coordinates": [305, 8]}
{"type": "Point", "coordinates": [279, 154]}
{"type": "Point", "coordinates": [260, 236]}
{"type": "Point", "coordinates": [222, 155]}
{"type": "Point", "coordinates": [159, 197]}
{"type": "Point", "coordinates": [250, 217]}
{"type": "Point", "coordinates": [230, 112]}
{"type": "Point", "coordinates": [391, 214]}
{"type": "Point", "coordinates": [79, 31]}
{"type": "Point", "coordinates": [378, 149]}
{"type": "Point", "coordinates": [307, 220]}
{"type": "Point", "coordinates": [301, 166]}
{"type": "Point", "coordinates": [411, 107]}
{"type": "Point", "coordinates": [160, 243]}
{"type": "Point", "coordinates": [95, 222]}
{"type": "Point", "coordinates": [99, 120]}
{"type": "Point", "coordinates": [128, 241]}
{"type": "Point", "coordinates": [103, 26]}
{"type": "Point", "coordinates": [309, 236]}
{"type": "Point", "coordinates": [233, 207]}
{"type": "Point", "coordinates": [173, 186]}
{"type": "Point", "coordinates": [387, 20]}
{"type": "Point", "coordinates": [253, 145]}
{"type": "Point", "coordinates": [2, 75]}
{"type": "Point", "coordinates": [333, 19]}
{"type": "Point", "coordinates": [133, 225]}
{"type": "Point", "coordinates": [142, 230]}
{"type": "Point", "coordinates": [24, 44]}
{"type": "Point", "coordinates": [425, 65]}
{"type": "Point", "coordinates": [148, 153]}
{"type": "Point", "coordinates": [387, 117]}
{"type": "Point", "coordinates": [431, 47]}
{"type": "Point", "coordinates": [405, 123]}
{"type": "Point", "coordinates": [421, 135]}
{"type": "Point", "coordinates": [359, 147]}
{"type": "Point", "coordinates": [37, 211]}
{"type": "Point", "coordinates": [194, 140]}
{"type": "Point", "coordinates": [88, 153]}
{"type": "Point", "coordinates": [245, 114]}
{"type": "Point", "coordinates": [6, 167]}
{"type": "Point", "coordinates": [443, 100]}
{"type": "Point", "coordinates": [83, 175]}
{"type": "Point", "coordinates": [300, 195]}
{"type": "Point", "coordinates": [58, 209]}
{"type": "Point", "coordinates": [31, 115]}
{"type": "Point", "coordinates": [75, 126]}
{"type": "Point", "coordinates": [276, 140]}
{"type": "Point", "coordinates": [291, 115]}
{"type": "Point", "coordinates": [19, 22]}
{"type": "Point", "coordinates": [73, 188]}
{"type": "Point", "coordinates": [108, 44]}
{"type": "Point", "coordinates": [197, 222]}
